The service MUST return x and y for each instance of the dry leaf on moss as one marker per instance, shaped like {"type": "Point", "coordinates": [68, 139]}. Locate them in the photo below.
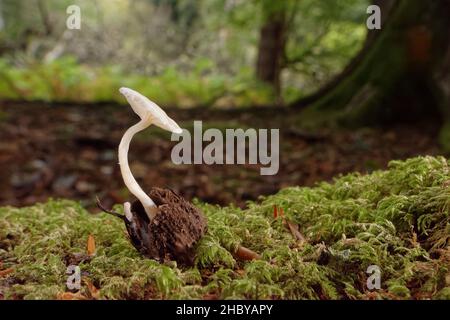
{"type": "Point", "coordinates": [70, 296]}
{"type": "Point", "coordinates": [91, 245]}
{"type": "Point", "coordinates": [95, 293]}
{"type": "Point", "coordinates": [246, 254]}
{"type": "Point", "coordinates": [6, 272]}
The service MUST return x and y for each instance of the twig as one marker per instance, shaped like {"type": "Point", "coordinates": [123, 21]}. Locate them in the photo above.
{"type": "Point", "coordinates": [293, 228]}
{"type": "Point", "coordinates": [101, 207]}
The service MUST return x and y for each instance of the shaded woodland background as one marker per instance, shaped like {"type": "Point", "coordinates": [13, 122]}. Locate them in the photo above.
{"type": "Point", "coordinates": [345, 98]}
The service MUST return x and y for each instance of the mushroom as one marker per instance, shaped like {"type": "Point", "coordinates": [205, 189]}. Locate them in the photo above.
{"type": "Point", "coordinates": [162, 225]}
{"type": "Point", "coordinates": [150, 113]}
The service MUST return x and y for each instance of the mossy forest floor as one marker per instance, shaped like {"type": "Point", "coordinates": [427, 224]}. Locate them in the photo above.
{"type": "Point", "coordinates": [397, 220]}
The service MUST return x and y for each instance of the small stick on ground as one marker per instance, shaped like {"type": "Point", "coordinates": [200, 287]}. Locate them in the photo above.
{"type": "Point", "coordinates": [101, 207]}
{"type": "Point", "coordinates": [293, 227]}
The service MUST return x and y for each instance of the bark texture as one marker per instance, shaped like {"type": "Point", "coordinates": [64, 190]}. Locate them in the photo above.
{"type": "Point", "coordinates": [402, 71]}
{"type": "Point", "coordinates": [271, 49]}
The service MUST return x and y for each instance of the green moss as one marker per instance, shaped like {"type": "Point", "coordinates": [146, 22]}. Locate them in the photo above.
{"type": "Point", "coordinates": [444, 137]}
{"type": "Point", "coordinates": [396, 219]}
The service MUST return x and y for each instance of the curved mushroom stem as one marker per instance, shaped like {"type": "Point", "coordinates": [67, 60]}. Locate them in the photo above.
{"type": "Point", "coordinates": [130, 182]}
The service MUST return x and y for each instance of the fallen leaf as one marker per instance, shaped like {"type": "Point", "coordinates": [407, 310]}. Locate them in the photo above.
{"type": "Point", "coordinates": [6, 272]}
{"type": "Point", "coordinates": [70, 296]}
{"type": "Point", "coordinates": [91, 245]}
{"type": "Point", "coordinates": [275, 212]}
{"type": "Point", "coordinates": [246, 254]}
{"type": "Point", "coordinates": [95, 293]}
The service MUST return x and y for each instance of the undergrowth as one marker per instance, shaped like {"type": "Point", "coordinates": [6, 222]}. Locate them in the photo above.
{"type": "Point", "coordinates": [65, 80]}
{"type": "Point", "coordinates": [396, 219]}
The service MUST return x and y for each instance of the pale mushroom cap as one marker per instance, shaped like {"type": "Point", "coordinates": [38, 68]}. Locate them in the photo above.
{"type": "Point", "coordinates": [147, 109]}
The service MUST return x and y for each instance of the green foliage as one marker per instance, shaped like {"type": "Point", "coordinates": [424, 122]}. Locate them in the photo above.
{"type": "Point", "coordinates": [323, 37]}
{"type": "Point", "coordinates": [65, 80]}
{"type": "Point", "coordinates": [397, 219]}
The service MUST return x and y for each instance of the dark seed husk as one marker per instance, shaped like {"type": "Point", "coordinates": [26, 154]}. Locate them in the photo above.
{"type": "Point", "coordinates": [173, 233]}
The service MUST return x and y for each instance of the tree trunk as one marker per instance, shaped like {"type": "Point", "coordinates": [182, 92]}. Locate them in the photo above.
{"type": "Point", "coordinates": [271, 50]}
{"type": "Point", "coordinates": [400, 74]}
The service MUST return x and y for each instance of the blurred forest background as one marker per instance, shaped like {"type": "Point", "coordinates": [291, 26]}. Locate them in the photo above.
{"type": "Point", "coordinates": [346, 98]}
{"type": "Point", "coordinates": [179, 52]}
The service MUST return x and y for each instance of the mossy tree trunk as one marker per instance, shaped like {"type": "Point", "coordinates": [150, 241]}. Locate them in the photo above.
{"type": "Point", "coordinates": [402, 72]}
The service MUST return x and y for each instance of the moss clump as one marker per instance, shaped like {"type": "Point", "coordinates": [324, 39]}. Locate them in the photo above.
{"type": "Point", "coordinates": [396, 219]}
